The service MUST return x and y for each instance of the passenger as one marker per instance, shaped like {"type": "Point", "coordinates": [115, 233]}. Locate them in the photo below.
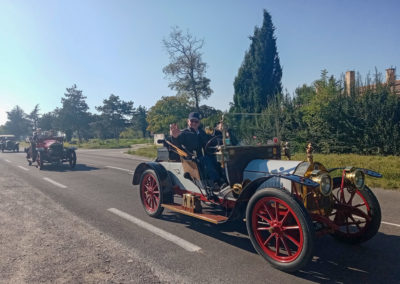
{"type": "Point", "coordinates": [230, 138]}
{"type": "Point", "coordinates": [194, 139]}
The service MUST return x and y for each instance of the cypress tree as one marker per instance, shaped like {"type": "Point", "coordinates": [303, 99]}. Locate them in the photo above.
{"type": "Point", "coordinates": [259, 76]}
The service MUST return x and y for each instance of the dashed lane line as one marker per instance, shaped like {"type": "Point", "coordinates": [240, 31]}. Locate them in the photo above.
{"type": "Point", "coordinates": [54, 182]}
{"type": "Point", "coordinates": [120, 169]}
{"type": "Point", "coordinates": [159, 232]}
{"type": "Point", "coordinates": [25, 169]}
{"type": "Point", "coordinates": [8, 161]}
{"type": "Point", "coordinates": [391, 224]}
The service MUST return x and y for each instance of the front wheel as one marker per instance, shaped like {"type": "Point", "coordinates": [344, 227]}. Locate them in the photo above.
{"type": "Point", "coordinates": [150, 193]}
{"type": "Point", "coordinates": [280, 229]}
{"type": "Point", "coordinates": [39, 160]}
{"type": "Point", "coordinates": [72, 159]}
{"type": "Point", "coordinates": [356, 212]}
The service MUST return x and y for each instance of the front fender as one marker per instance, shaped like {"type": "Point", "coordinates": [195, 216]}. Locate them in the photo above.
{"type": "Point", "coordinates": [162, 176]}
{"type": "Point", "coordinates": [252, 187]}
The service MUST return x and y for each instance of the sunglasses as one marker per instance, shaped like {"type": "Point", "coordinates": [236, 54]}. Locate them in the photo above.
{"type": "Point", "coordinates": [194, 121]}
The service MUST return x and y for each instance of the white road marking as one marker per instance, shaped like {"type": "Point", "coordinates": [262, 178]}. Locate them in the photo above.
{"type": "Point", "coordinates": [25, 169]}
{"type": "Point", "coordinates": [382, 222]}
{"type": "Point", "coordinates": [121, 169]}
{"type": "Point", "coordinates": [54, 182]}
{"type": "Point", "coordinates": [7, 160]}
{"type": "Point", "coordinates": [391, 224]}
{"type": "Point", "coordinates": [163, 234]}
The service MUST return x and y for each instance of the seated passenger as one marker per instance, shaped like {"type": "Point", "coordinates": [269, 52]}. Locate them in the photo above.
{"type": "Point", "coordinates": [194, 139]}
{"type": "Point", "coordinates": [230, 138]}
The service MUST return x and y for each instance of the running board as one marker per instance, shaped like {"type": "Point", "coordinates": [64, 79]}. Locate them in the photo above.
{"type": "Point", "coordinates": [212, 218]}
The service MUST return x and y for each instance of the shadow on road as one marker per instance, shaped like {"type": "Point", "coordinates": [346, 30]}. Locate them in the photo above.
{"type": "Point", "coordinates": [375, 261]}
{"type": "Point", "coordinates": [66, 168]}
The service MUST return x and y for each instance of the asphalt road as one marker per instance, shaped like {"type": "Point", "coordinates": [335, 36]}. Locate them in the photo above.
{"type": "Point", "coordinates": [99, 191]}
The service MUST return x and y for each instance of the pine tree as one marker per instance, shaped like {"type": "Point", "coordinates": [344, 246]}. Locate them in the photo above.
{"type": "Point", "coordinates": [259, 76]}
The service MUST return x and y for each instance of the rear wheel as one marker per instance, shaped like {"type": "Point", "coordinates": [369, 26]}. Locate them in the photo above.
{"type": "Point", "coordinates": [150, 193]}
{"type": "Point", "coordinates": [280, 229]}
{"type": "Point", "coordinates": [72, 159]}
{"type": "Point", "coordinates": [356, 212]}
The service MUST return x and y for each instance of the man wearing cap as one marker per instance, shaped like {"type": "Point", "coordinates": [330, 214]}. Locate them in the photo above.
{"type": "Point", "coordinates": [193, 139]}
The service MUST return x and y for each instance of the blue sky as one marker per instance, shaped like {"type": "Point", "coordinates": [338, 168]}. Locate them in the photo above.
{"type": "Point", "coordinates": [115, 47]}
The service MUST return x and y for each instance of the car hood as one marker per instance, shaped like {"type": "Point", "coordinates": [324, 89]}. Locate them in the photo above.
{"type": "Point", "coordinates": [261, 168]}
{"type": "Point", "coordinates": [47, 143]}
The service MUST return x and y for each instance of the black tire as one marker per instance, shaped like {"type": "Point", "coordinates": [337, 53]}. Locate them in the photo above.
{"type": "Point", "coordinates": [287, 242]}
{"type": "Point", "coordinates": [72, 159]}
{"type": "Point", "coordinates": [150, 193]}
{"type": "Point", "coordinates": [39, 161]}
{"type": "Point", "coordinates": [366, 215]}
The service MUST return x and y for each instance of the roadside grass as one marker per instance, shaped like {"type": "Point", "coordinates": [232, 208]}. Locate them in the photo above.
{"type": "Point", "coordinates": [22, 145]}
{"type": "Point", "coordinates": [146, 151]}
{"type": "Point", "coordinates": [108, 143]}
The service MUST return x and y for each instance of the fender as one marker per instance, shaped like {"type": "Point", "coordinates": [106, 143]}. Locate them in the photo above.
{"type": "Point", "coordinates": [162, 176]}
{"type": "Point", "coordinates": [371, 173]}
{"type": "Point", "coordinates": [251, 188]}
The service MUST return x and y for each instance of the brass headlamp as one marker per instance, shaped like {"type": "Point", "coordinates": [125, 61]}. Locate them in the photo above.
{"type": "Point", "coordinates": [355, 176]}
{"type": "Point", "coordinates": [324, 180]}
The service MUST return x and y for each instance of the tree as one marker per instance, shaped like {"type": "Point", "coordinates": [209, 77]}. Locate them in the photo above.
{"type": "Point", "coordinates": [74, 115]}
{"type": "Point", "coordinates": [116, 113]}
{"type": "Point", "coordinates": [166, 111]}
{"type": "Point", "coordinates": [17, 123]}
{"type": "Point", "coordinates": [139, 122]}
{"type": "Point", "coordinates": [34, 116]}
{"type": "Point", "coordinates": [259, 76]}
{"type": "Point", "coordinates": [47, 121]}
{"type": "Point", "coordinates": [186, 69]}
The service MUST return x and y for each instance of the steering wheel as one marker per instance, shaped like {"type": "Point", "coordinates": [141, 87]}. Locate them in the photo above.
{"type": "Point", "coordinates": [212, 144]}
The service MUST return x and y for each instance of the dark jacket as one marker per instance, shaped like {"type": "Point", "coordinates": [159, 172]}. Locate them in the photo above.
{"type": "Point", "coordinates": [192, 140]}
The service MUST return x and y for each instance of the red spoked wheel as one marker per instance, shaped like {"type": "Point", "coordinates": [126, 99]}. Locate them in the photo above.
{"type": "Point", "coordinates": [39, 161]}
{"type": "Point", "coordinates": [280, 229]}
{"type": "Point", "coordinates": [356, 212]}
{"type": "Point", "coordinates": [150, 193]}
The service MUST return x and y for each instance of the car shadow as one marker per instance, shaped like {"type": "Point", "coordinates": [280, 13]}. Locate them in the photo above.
{"type": "Point", "coordinates": [375, 261]}
{"type": "Point", "coordinates": [66, 168]}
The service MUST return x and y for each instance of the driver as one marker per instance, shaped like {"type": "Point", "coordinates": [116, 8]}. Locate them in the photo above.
{"type": "Point", "coordinates": [193, 139]}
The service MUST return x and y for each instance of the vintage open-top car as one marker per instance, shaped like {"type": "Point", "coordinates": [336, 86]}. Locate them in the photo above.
{"type": "Point", "coordinates": [284, 203]}
{"type": "Point", "coordinates": [46, 147]}
{"type": "Point", "coordinates": [9, 143]}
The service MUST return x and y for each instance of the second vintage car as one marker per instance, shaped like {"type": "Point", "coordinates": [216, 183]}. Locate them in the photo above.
{"type": "Point", "coordinates": [45, 147]}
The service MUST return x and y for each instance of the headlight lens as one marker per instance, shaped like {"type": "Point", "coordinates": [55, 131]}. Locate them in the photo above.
{"type": "Point", "coordinates": [357, 177]}
{"type": "Point", "coordinates": [325, 182]}
{"type": "Point", "coordinates": [325, 185]}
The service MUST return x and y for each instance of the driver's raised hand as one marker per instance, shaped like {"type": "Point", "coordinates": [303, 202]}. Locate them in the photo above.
{"type": "Point", "coordinates": [174, 130]}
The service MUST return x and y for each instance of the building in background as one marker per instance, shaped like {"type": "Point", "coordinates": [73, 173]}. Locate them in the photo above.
{"type": "Point", "coordinates": [390, 80]}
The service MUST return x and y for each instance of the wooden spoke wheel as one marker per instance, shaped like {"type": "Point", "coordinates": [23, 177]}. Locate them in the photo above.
{"type": "Point", "coordinates": [280, 229]}
{"type": "Point", "coordinates": [150, 193]}
{"type": "Point", "coordinates": [72, 159]}
{"type": "Point", "coordinates": [39, 161]}
{"type": "Point", "coordinates": [356, 212]}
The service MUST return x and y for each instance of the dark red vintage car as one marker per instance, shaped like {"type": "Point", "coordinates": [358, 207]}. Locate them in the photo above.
{"type": "Point", "coordinates": [48, 148]}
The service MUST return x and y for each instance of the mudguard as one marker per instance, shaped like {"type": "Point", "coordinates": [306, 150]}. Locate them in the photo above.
{"type": "Point", "coordinates": [162, 176]}
{"type": "Point", "coordinates": [366, 171]}
{"type": "Point", "coordinates": [251, 188]}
